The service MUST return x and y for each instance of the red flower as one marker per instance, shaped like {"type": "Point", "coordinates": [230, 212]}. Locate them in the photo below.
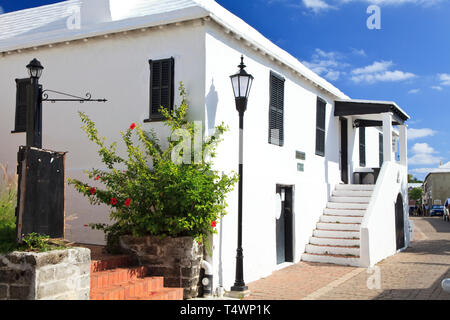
{"type": "Point", "coordinates": [97, 177]}
{"type": "Point", "coordinates": [127, 202]}
{"type": "Point", "coordinates": [86, 225]}
{"type": "Point", "coordinates": [199, 243]}
{"type": "Point", "coordinates": [113, 201]}
{"type": "Point", "coordinates": [213, 224]}
{"type": "Point", "coordinates": [133, 125]}
{"type": "Point", "coordinates": [92, 191]}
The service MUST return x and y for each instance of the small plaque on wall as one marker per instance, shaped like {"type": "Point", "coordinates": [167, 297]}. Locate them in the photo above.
{"type": "Point", "coordinates": [300, 167]}
{"type": "Point", "coordinates": [300, 155]}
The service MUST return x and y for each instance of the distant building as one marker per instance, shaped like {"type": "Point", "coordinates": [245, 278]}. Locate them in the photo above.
{"type": "Point", "coordinates": [436, 186]}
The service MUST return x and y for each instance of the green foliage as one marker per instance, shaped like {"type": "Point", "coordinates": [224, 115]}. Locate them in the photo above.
{"type": "Point", "coordinates": [8, 190]}
{"type": "Point", "coordinates": [415, 194]}
{"type": "Point", "coordinates": [412, 179]}
{"type": "Point", "coordinates": [148, 193]}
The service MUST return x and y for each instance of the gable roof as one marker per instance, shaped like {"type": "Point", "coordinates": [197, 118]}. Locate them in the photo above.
{"type": "Point", "coordinates": [55, 23]}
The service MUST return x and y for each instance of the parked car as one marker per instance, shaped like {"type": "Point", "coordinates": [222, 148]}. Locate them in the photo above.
{"type": "Point", "coordinates": [447, 210]}
{"type": "Point", "coordinates": [437, 210]}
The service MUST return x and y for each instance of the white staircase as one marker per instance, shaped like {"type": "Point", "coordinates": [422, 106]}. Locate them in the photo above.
{"type": "Point", "coordinates": [336, 238]}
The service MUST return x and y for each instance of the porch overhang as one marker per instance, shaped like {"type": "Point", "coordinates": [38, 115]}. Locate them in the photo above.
{"type": "Point", "coordinates": [369, 107]}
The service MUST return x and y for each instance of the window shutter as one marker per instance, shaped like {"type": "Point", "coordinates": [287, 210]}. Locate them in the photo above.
{"type": "Point", "coordinates": [20, 124]}
{"type": "Point", "coordinates": [362, 146]}
{"type": "Point", "coordinates": [276, 110]}
{"type": "Point", "coordinates": [161, 86]}
{"type": "Point", "coordinates": [320, 127]}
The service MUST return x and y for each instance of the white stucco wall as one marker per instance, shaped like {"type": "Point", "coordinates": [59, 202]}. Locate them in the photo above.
{"type": "Point", "coordinates": [115, 68]}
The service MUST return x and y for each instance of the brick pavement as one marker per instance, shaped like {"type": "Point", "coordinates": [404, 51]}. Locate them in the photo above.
{"type": "Point", "coordinates": [415, 273]}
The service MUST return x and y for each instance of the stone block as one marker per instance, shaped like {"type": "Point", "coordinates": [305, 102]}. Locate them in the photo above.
{"type": "Point", "coordinates": [171, 258]}
{"type": "Point", "coordinates": [20, 292]}
{"type": "Point", "coordinates": [46, 274]}
{"type": "Point", "coordinates": [65, 271]}
{"type": "Point", "coordinates": [48, 290]}
{"type": "Point", "coordinates": [3, 291]}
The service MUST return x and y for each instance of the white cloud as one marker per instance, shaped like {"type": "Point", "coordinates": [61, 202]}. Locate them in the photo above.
{"type": "Point", "coordinates": [359, 52]}
{"type": "Point", "coordinates": [420, 133]}
{"type": "Point", "coordinates": [414, 91]}
{"type": "Point", "coordinates": [378, 72]}
{"type": "Point", "coordinates": [377, 66]}
{"type": "Point", "coordinates": [316, 5]}
{"type": "Point", "coordinates": [324, 5]}
{"type": "Point", "coordinates": [445, 167]}
{"type": "Point", "coordinates": [327, 64]}
{"type": "Point", "coordinates": [423, 154]}
{"type": "Point", "coordinates": [444, 78]}
{"type": "Point", "coordinates": [438, 88]}
{"type": "Point", "coordinates": [422, 148]}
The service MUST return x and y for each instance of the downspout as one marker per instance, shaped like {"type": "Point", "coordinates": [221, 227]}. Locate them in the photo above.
{"type": "Point", "coordinates": [207, 280]}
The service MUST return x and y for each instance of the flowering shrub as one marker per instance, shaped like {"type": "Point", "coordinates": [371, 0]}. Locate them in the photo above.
{"type": "Point", "coordinates": [154, 195]}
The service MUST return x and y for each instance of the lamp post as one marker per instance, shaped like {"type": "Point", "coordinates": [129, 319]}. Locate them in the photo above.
{"type": "Point", "coordinates": [34, 107]}
{"type": "Point", "coordinates": [242, 83]}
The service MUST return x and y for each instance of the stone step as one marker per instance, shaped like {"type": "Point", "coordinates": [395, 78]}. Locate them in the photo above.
{"type": "Point", "coordinates": [326, 249]}
{"type": "Point", "coordinates": [341, 219]}
{"type": "Point", "coordinates": [365, 200]}
{"type": "Point", "coordinates": [164, 294]}
{"type": "Point", "coordinates": [352, 193]}
{"type": "Point", "coordinates": [130, 290]}
{"type": "Point", "coordinates": [339, 226]}
{"type": "Point", "coordinates": [103, 279]}
{"type": "Point", "coordinates": [334, 241]}
{"type": "Point", "coordinates": [333, 259]}
{"type": "Point", "coordinates": [336, 234]}
{"type": "Point", "coordinates": [356, 187]}
{"type": "Point", "coordinates": [345, 212]}
{"type": "Point", "coordinates": [347, 206]}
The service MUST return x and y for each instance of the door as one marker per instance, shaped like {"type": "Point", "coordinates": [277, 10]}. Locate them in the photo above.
{"type": "Point", "coordinates": [284, 226]}
{"type": "Point", "coordinates": [344, 150]}
{"type": "Point", "coordinates": [399, 223]}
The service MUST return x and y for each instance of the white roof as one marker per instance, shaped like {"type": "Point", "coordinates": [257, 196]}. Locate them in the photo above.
{"type": "Point", "coordinates": [55, 23]}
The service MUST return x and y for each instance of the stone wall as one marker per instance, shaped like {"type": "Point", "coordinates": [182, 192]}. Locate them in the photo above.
{"type": "Point", "coordinates": [53, 275]}
{"type": "Point", "coordinates": [178, 260]}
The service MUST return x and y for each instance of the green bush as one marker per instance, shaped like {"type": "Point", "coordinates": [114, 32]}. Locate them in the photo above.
{"type": "Point", "coordinates": [148, 193]}
{"type": "Point", "coordinates": [8, 190]}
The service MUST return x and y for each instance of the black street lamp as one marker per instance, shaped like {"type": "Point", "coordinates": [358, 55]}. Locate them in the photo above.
{"type": "Point", "coordinates": [242, 83]}
{"type": "Point", "coordinates": [34, 112]}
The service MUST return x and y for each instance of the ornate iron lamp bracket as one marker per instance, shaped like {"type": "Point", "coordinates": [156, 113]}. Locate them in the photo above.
{"type": "Point", "coordinates": [45, 97]}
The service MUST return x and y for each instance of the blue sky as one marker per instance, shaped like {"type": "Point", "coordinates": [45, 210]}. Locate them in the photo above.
{"type": "Point", "coordinates": [406, 61]}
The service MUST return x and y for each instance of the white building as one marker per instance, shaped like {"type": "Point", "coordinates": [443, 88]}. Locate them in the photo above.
{"type": "Point", "coordinates": [104, 47]}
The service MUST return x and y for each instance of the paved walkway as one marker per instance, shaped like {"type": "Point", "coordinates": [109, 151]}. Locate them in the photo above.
{"type": "Point", "coordinates": [415, 273]}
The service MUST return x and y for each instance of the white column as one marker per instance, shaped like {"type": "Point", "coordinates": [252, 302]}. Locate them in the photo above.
{"type": "Point", "coordinates": [387, 137]}
{"type": "Point", "coordinates": [403, 145]}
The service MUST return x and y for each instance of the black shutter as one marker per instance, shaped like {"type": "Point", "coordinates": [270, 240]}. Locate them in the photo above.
{"type": "Point", "coordinates": [362, 146]}
{"type": "Point", "coordinates": [320, 127]}
{"type": "Point", "coordinates": [276, 110]}
{"type": "Point", "coordinates": [20, 124]}
{"type": "Point", "coordinates": [161, 86]}
{"type": "Point", "coordinates": [380, 149]}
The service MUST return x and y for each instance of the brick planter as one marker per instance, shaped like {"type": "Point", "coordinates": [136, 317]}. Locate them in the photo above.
{"type": "Point", "coordinates": [178, 260]}
{"type": "Point", "coordinates": [53, 275]}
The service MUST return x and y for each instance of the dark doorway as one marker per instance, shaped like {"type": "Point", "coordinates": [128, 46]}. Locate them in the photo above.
{"type": "Point", "coordinates": [285, 226]}
{"type": "Point", "coordinates": [399, 223]}
{"type": "Point", "coordinates": [344, 150]}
